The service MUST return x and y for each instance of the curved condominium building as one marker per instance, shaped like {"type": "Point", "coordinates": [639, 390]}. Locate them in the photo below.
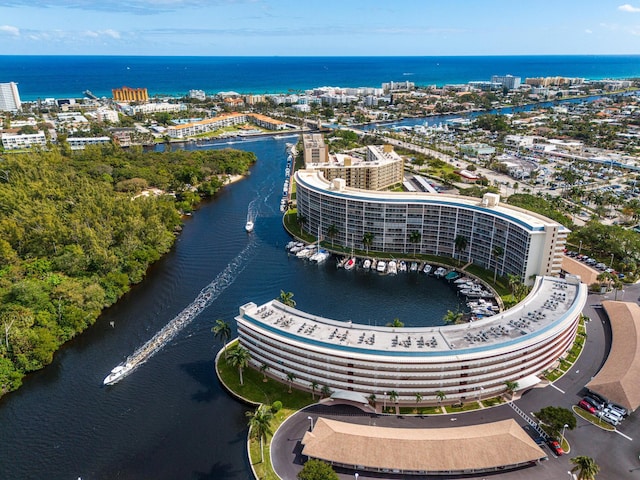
{"type": "Point", "coordinates": [496, 235]}
{"type": "Point", "coordinates": [464, 362]}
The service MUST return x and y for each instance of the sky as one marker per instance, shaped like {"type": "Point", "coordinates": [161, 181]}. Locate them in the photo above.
{"type": "Point", "coordinates": [317, 28]}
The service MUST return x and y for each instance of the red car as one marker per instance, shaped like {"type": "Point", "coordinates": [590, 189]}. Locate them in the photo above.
{"type": "Point", "coordinates": [587, 406]}
{"type": "Point", "coordinates": [555, 446]}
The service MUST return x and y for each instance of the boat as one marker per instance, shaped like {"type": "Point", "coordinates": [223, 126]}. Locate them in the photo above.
{"type": "Point", "coordinates": [440, 272]}
{"type": "Point", "coordinates": [452, 275]}
{"type": "Point", "coordinates": [413, 267]}
{"type": "Point", "coordinates": [427, 268]}
{"type": "Point", "coordinates": [392, 267]}
{"type": "Point", "coordinates": [350, 263]}
{"type": "Point", "coordinates": [249, 226]}
{"type": "Point", "coordinates": [117, 373]}
{"type": "Point", "coordinates": [320, 256]}
{"type": "Point", "coordinates": [366, 264]}
{"type": "Point", "coordinates": [402, 266]}
{"type": "Point", "coordinates": [382, 266]}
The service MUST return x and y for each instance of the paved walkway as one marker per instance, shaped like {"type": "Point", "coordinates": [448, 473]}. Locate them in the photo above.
{"type": "Point", "coordinates": [616, 454]}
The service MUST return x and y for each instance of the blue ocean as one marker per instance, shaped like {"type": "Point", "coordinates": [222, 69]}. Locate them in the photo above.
{"type": "Point", "coordinates": [68, 76]}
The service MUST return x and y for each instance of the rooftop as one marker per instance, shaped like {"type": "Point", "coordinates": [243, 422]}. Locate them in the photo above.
{"type": "Point", "coordinates": [550, 302]}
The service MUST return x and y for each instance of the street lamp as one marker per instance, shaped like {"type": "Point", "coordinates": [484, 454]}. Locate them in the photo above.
{"type": "Point", "coordinates": [356, 475]}
{"type": "Point", "coordinates": [580, 247]}
{"type": "Point", "coordinates": [310, 421]}
{"type": "Point", "coordinates": [562, 436]}
{"type": "Point", "coordinates": [384, 401]}
{"type": "Point", "coordinates": [611, 262]}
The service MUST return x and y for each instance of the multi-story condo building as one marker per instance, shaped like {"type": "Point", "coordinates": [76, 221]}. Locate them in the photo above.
{"type": "Point", "coordinates": [9, 97]}
{"type": "Point", "coordinates": [14, 142]}
{"type": "Point", "coordinates": [381, 167]}
{"type": "Point", "coordinates": [443, 363]}
{"type": "Point", "coordinates": [80, 143]}
{"type": "Point", "coordinates": [507, 81]}
{"type": "Point", "coordinates": [221, 121]}
{"type": "Point", "coordinates": [485, 232]}
{"type": "Point", "coordinates": [127, 94]}
{"type": "Point", "coordinates": [315, 150]}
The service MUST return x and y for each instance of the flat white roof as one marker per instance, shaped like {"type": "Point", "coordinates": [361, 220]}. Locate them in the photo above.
{"type": "Point", "coordinates": [314, 179]}
{"type": "Point", "coordinates": [551, 301]}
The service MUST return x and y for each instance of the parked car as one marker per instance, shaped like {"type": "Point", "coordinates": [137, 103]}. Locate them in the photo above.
{"type": "Point", "coordinates": [595, 403]}
{"type": "Point", "coordinates": [613, 413]}
{"type": "Point", "coordinates": [555, 447]}
{"type": "Point", "coordinates": [610, 419]}
{"type": "Point", "coordinates": [618, 408]}
{"type": "Point", "coordinates": [587, 406]}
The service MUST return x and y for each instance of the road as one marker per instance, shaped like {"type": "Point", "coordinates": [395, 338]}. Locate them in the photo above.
{"type": "Point", "coordinates": [617, 453]}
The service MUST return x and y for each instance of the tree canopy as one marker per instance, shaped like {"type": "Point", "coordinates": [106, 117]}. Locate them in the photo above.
{"type": "Point", "coordinates": [75, 234]}
{"type": "Point", "coordinates": [317, 470]}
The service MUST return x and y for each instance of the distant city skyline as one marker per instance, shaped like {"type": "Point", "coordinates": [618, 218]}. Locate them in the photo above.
{"type": "Point", "coordinates": [329, 28]}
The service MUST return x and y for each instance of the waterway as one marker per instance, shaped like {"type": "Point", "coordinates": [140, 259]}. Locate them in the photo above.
{"type": "Point", "coordinates": [170, 419]}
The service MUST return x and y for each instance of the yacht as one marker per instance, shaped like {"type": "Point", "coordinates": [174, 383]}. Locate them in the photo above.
{"type": "Point", "coordinates": [117, 373]}
{"type": "Point", "coordinates": [392, 267]}
{"type": "Point", "coordinates": [440, 272]}
{"type": "Point", "coordinates": [427, 268]}
{"type": "Point", "coordinates": [381, 266]}
{"type": "Point", "coordinates": [249, 226]}
{"type": "Point", "coordinates": [366, 264]}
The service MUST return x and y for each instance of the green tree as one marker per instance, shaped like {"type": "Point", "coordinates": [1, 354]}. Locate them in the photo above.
{"type": "Point", "coordinates": [496, 252]}
{"type": "Point", "coordinates": [239, 358]}
{"type": "Point", "coordinates": [460, 243]}
{"type": "Point", "coordinates": [260, 425]}
{"type": "Point", "coordinates": [314, 386]}
{"type": "Point", "coordinates": [326, 391]}
{"type": "Point", "coordinates": [222, 331]}
{"type": "Point", "coordinates": [367, 240]}
{"type": "Point", "coordinates": [396, 323]}
{"type": "Point", "coordinates": [453, 318]}
{"type": "Point", "coordinates": [287, 298]}
{"type": "Point", "coordinates": [555, 418]}
{"type": "Point", "coordinates": [263, 369]}
{"type": "Point", "coordinates": [290, 378]}
{"type": "Point", "coordinates": [440, 395]}
{"type": "Point", "coordinates": [332, 231]}
{"type": "Point", "coordinates": [418, 400]}
{"type": "Point", "coordinates": [511, 387]}
{"type": "Point", "coordinates": [317, 470]}
{"type": "Point", "coordinates": [585, 467]}
{"type": "Point", "coordinates": [415, 238]}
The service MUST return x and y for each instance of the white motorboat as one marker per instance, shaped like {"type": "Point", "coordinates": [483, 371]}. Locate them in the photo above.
{"type": "Point", "coordinates": [249, 226]}
{"type": "Point", "coordinates": [366, 264]}
{"type": "Point", "coordinates": [413, 267]}
{"type": "Point", "coordinates": [320, 256]}
{"type": "Point", "coordinates": [350, 264]}
{"type": "Point", "coordinates": [381, 266]}
{"type": "Point", "coordinates": [117, 373]}
{"type": "Point", "coordinates": [427, 269]}
{"type": "Point", "coordinates": [402, 266]}
{"type": "Point", "coordinates": [392, 267]}
{"type": "Point", "coordinates": [440, 272]}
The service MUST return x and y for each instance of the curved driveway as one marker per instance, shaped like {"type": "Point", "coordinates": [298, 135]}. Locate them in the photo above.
{"type": "Point", "coordinates": [615, 453]}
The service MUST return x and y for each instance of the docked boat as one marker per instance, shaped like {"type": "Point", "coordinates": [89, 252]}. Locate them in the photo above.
{"type": "Point", "coordinates": [320, 256]}
{"type": "Point", "coordinates": [392, 267]}
{"type": "Point", "coordinates": [413, 267]}
{"type": "Point", "coordinates": [249, 226]}
{"type": "Point", "coordinates": [382, 266]}
{"type": "Point", "coordinates": [427, 268]}
{"type": "Point", "coordinates": [350, 264]}
{"type": "Point", "coordinates": [402, 266]}
{"type": "Point", "coordinates": [440, 272]}
{"type": "Point", "coordinates": [366, 264]}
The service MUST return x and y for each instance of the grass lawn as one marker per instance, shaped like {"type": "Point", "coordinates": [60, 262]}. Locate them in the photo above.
{"type": "Point", "coordinates": [464, 408]}
{"type": "Point", "coordinates": [592, 418]}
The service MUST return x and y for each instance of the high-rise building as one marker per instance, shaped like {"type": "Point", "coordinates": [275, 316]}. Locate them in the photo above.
{"type": "Point", "coordinates": [507, 81]}
{"type": "Point", "coordinates": [9, 97]}
{"type": "Point", "coordinates": [126, 94]}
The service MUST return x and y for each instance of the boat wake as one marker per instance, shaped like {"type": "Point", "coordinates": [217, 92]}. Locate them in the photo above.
{"type": "Point", "coordinates": [206, 296]}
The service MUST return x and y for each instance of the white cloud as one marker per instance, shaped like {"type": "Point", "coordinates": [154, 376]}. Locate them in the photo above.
{"type": "Point", "coordinates": [588, 31]}
{"type": "Point", "coordinates": [9, 30]}
{"type": "Point", "coordinates": [629, 8]}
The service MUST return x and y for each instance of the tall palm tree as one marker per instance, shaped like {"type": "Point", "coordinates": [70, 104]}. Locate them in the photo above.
{"type": "Point", "coordinates": [440, 395]}
{"type": "Point", "coordinates": [263, 369]}
{"type": "Point", "coordinates": [393, 396]}
{"type": "Point", "coordinates": [290, 378]}
{"type": "Point", "coordinates": [460, 243]}
{"type": "Point", "coordinates": [332, 231]}
{"type": "Point", "coordinates": [372, 399]}
{"type": "Point", "coordinates": [222, 331]}
{"type": "Point", "coordinates": [287, 298]}
{"type": "Point", "coordinates": [453, 318]}
{"type": "Point", "coordinates": [586, 467]}
{"type": "Point", "coordinates": [511, 387]}
{"type": "Point", "coordinates": [314, 386]}
{"type": "Point", "coordinates": [239, 358]}
{"type": "Point", "coordinates": [418, 400]}
{"type": "Point", "coordinates": [497, 253]}
{"type": "Point", "coordinates": [260, 425]}
{"type": "Point", "coordinates": [415, 238]}
{"type": "Point", "coordinates": [367, 240]}
{"type": "Point", "coordinates": [326, 391]}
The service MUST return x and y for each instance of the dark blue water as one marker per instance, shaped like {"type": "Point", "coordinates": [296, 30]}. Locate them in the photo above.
{"type": "Point", "coordinates": [69, 76]}
{"type": "Point", "coordinates": [170, 419]}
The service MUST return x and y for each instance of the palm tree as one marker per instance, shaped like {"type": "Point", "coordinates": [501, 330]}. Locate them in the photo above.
{"type": "Point", "coordinates": [418, 400]}
{"type": "Point", "coordinates": [239, 358]}
{"type": "Point", "coordinates": [396, 323]}
{"type": "Point", "coordinates": [302, 220]}
{"type": "Point", "coordinates": [260, 425]}
{"type": "Point", "coordinates": [287, 298]}
{"type": "Point", "coordinates": [586, 467]}
{"type": "Point", "coordinates": [263, 369]}
{"type": "Point", "coordinates": [326, 391]}
{"type": "Point", "coordinates": [367, 240]}
{"type": "Point", "coordinates": [393, 396]}
{"type": "Point", "coordinates": [314, 386]}
{"type": "Point", "coordinates": [440, 395]}
{"type": "Point", "coordinates": [222, 331]}
{"type": "Point", "coordinates": [460, 243]}
{"type": "Point", "coordinates": [415, 238]}
{"type": "Point", "coordinates": [511, 387]}
{"type": "Point", "coordinates": [453, 318]}
{"type": "Point", "coordinates": [372, 400]}
{"type": "Point", "coordinates": [290, 378]}
{"type": "Point", "coordinates": [497, 253]}
{"type": "Point", "coordinates": [332, 231]}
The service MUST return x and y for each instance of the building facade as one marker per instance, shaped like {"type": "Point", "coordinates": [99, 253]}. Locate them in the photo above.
{"type": "Point", "coordinates": [127, 94]}
{"type": "Point", "coordinates": [9, 97]}
{"type": "Point", "coordinates": [16, 142]}
{"type": "Point", "coordinates": [497, 236]}
{"type": "Point", "coordinates": [449, 364]}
